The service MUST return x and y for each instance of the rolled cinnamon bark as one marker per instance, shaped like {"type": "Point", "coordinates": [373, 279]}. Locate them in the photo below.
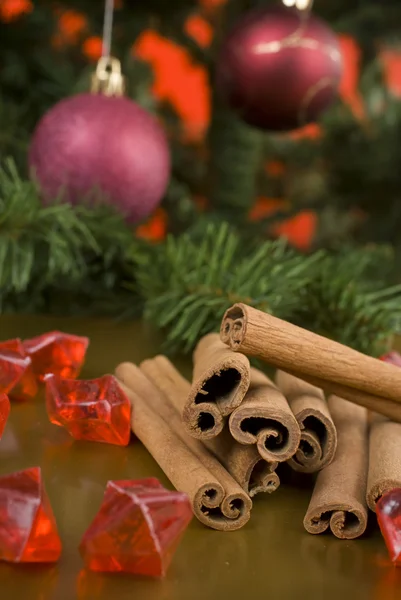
{"type": "Point", "coordinates": [264, 418]}
{"type": "Point", "coordinates": [254, 474]}
{"type": "Point", "coordinates": [384, 472]}
{"type": "Point", "coordinates": [220, 382]}
{"type": "Point", "coordinates": [318, 441]}
{"type": "Point", "coordinates": [244, 463]}
{"type": "Point", "coordinates": [338, 499]}
{"type": "Point", "coordinates": [217, 499]}
{"type": "Point", "coordinates": [384, 406]}
{"type": "Point", "coordinates": [292, 348]}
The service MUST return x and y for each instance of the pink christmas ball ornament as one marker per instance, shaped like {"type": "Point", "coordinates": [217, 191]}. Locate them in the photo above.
{"type": "Point", "coordinates": [279, 68]}
{"type": "Point", "coordinates": [90, 146]}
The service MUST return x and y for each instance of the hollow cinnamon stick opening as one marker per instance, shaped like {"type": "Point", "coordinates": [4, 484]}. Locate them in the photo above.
{"type": "Point", "coordinates": [384, 472]}
{"type": "Point", "coordinates": [338, 499]}
{"type": "Point", "coordinates": [254, 474]}
{"type": "Point", "coordinates": [264, 418]}
{"type": "Point", "coordinates": [220, 381]}
{"type": "Point", "coordinates": [244, 463]}
{"type": "Point", "coordinates": [217, 499]}
{"type": "Point", "coordinates": [292, 348]}
{"type": "Point", "coordinates": [318, 440]}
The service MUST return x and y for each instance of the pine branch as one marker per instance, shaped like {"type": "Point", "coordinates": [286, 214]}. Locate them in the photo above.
{"type": "Point", "coordinates": [56, 247]}
{"type": "Point", "coordinates": [346, 301]}
{"type": "Point", "coordinates": [189, 282]}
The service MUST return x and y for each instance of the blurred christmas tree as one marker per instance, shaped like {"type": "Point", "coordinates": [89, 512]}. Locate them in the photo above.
{"type": "Point", "coordinates": [331, 185]}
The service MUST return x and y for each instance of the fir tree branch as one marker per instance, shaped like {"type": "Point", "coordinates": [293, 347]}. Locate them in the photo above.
{"type": "Point", "coordinates": [188, 284]}
{"type": "Point", "coordinates": [345, 301]}
{"type": "Point", "coordinates": [58, 246]}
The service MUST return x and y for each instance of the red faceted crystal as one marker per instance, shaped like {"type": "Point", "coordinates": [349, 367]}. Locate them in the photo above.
{"type": "Point", "coordinates": [137, 529]}
{"type": "Point", "coordinates": [4, 412]}
{"type": "Point", "coordinates": [96, 410]}
{"type": "Point", "coordinates": [28, 531]}
{"type": "Point", "coordinates": [392, 357]}
{"type": "Point", "coordinates": [16, 375]}
{"type": "Point", "coordinates": [388, 512]}
{"type": "Point", "coordinates": [56, 352]}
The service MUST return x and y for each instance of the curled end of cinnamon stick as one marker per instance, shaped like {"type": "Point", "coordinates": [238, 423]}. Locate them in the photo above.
{"type": "Point", "coordinates": [318, 442]}
{"type": "Point", "coordinates": [376, 491]}
{"type": "Point", "coordinates": [233, 326]}
{"type": "Point", "coordinates": [203, 421]}
{"type": "Point", "coordinates": [220, 376]}
{"type": "Point", "coordinates": [346, 522]}
{"type": "Point", "coordinates": [265, 419]}
{"type": "Point", "coordinates": [275, 440]}
{"type": "Point", "coordinates": [221, 380]}
{"type": "Point", "coordinates": [219, 511]}
{"type": "Point", "coordinates": [263, 479]}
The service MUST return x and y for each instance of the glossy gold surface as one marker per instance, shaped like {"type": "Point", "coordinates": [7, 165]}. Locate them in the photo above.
{"type": "Point", "coordinates": [271, 558]}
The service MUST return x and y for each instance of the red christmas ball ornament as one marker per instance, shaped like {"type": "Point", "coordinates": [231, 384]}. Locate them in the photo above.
{"type": "Point", "coordinates": [279, 68]}
{"type": "Point", "coordinates": [90, 145]}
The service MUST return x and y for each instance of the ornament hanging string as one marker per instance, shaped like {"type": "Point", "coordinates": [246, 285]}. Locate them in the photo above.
{"type": "Point", "coordinates": [107, 28]}
{"type": "Point", "coordinates": [108, 79]}
{"type": "Point", "coordinates": [303, 5]}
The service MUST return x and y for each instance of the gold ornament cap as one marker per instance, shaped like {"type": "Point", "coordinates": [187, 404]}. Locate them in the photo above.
{"type": "Point", "coordinates": [108, 78]}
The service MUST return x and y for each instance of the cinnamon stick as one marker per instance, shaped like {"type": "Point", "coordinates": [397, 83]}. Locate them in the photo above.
{"type": "Point", "coordinates": [217, 499]}
{"type": "Point", "coordinates": [244, 463]}
{"type": "Point", "coordinates": [318, 441]}
{"type": "Point", "coordinates": [264, 418]}
{"type": "Point", "coordinates": [338, 499]}
{"type": "Point", "coordinates": [254, 474]}
{"type": "Point", "coordinates": [384, 406]}
{"type": "Point", "coordinates": [220, 381]}
{"type": "Point", "coordinates": [292, 348]}
{"type": "Point", "coordinates": [384, 472]}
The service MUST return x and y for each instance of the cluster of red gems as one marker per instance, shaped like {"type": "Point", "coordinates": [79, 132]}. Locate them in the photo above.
{"type": "Point", "coordinates": [139, 524]}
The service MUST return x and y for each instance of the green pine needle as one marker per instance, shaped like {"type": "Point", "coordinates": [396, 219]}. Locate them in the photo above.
{"type": "Point", "coordinates": [343, 301]}
{"type": "Point", "coordinates": [188, 285]}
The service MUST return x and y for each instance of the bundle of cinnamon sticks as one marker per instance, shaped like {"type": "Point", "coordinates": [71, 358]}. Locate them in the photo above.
{"type": "Point", "coordinates": [221, 436]}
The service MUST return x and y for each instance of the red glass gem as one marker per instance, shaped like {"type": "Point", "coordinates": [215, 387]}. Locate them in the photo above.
{"type": "Point", "coordinates": [58, 353]}
{"type": "Point", "coordinates": [28, 530]}
{"type": "Point", "coordinates": [388, 512]}
{"type": "Point", "coordinates": [4, 412]}
{"type": "Point", "coordinates": [392, 357]}
{"type": "Point", "coordinates": [96, 410]}
{"type": "Point", "coordinates": [137, 529]}
{"type": "Point", "coordinates": [16, 375]}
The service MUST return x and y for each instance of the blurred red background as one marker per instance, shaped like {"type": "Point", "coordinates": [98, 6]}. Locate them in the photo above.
{"type": "Point", "coordinates": [174, 71]}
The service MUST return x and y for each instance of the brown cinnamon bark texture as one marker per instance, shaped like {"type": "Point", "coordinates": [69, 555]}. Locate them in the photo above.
{"type": "Point", "coordinates": [384, 472]}
{"type": "Point", "coordinates": [384, 406]}
{"type": "Point", "coordinates": [264, 418]}
{"type": "Point", "coordinates": [254, 474]}
{"type": "Point", "coordinates": [243, 462]}
{"type": "Point", "coordinates": [220, 382]}
{"type": "Point", "coordinates": [338, 499]}
{"type": "Point", "coordinates": [217, 499]}
{"type": "Point", "coordinates": [307, 354]}
{"type": "Point", "coordinates": [318, 441]}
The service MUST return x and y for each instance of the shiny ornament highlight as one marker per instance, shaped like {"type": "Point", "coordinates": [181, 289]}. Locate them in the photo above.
{"type": "Point", "coordinates": [279, 68]}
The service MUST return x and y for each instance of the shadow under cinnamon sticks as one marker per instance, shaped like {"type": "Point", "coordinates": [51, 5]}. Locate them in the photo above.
{"type": "Point", "coordinates": [217, 499]}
